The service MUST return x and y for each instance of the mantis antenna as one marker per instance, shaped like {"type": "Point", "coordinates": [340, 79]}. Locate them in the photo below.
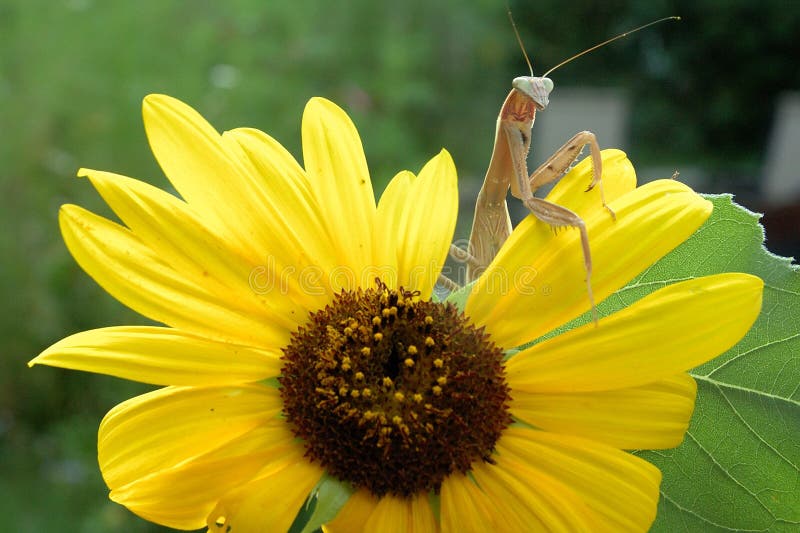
{"type": "Point", "coordinates": [595, 47]}
{"type": "Point", "coordinates": [519, 39]}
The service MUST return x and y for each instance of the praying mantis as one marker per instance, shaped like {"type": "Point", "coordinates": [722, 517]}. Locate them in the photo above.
{"type": "Point", "coordinates": [508, 169]}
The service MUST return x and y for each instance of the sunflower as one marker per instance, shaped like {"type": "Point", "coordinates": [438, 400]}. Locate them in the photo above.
{"type": "Point", "coordinates": [302, 341]}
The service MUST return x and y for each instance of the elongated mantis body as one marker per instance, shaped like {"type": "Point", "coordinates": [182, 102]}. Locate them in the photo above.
{"type": "Point", "coordinates": [508, 169]}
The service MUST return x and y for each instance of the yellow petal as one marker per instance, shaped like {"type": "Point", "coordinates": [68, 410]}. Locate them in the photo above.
{"type": "Point", "coordinates": [667, 332]}
{"type": "Point", "coordinates": [422, 518]}
{"type": "Point", "coordinates": [526, 499]}
{"type": "Point", "coordinates": [270, 503]}
{"type": "Point", "coordinates": [652, 416]}
{"type": "Point", "coordinates": [182, 496]}
{"type": "Point", "coordinates": [537, 270]}
{"type": "Point", "coordinates": [305, 243]}
{"type": "Point", "coordinates": [274, 162]}
{"type": "Point", "coordinates": [415, 222]}
{"type": "Point", "coordinates": [170, 426]}
{"type": "Point", "coordinates": [618, 178]}
{"type": "Point", "coordinates": [170, 228]}
{"type": "Point", "coordinates": [209, 174]}
{"type": "Point", "coordinates": [466, 509]}
{"type": "Point", "coordinates": [337, 173]}
{"type": "Point", "coordinates": [161, 356]}
{"type": "Point", "coordinates": [426, 237]}
{"type": "Point", "coordinates": [621, 488]}
{"type": "Point", "coordinates": [402, 515]}
{"type": "Point", "coordinates": [390, 215]}
{"type": "Point", "coordinates": [355, 513]}
{"type": "Point", "coordinates": [136, 276]}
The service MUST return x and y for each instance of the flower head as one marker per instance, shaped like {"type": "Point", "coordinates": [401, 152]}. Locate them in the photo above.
{"type": "Point", "coordinates": [300, 338]}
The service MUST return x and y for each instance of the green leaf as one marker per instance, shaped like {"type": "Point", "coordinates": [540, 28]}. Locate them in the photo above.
{"type": "Point", "coordinates": [329, 497]}
{"type": "Point", "coordinates": [459, 297]}
{"type": "Point", "coordinates": [739, 465]}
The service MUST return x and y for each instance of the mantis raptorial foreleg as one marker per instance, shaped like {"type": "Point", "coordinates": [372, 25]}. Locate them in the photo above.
{"type": "Point", "coordinates": [551, 170]}
{"type": "Point", "coordinates": [560, 162]}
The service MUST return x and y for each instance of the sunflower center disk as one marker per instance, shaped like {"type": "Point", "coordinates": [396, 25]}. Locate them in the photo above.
{"type": "Point", "coordinates": [391, 393]}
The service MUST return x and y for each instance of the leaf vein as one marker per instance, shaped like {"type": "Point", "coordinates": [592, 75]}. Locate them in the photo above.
{"type": "Point", "coordinates": [755, 349]}
{"type": "Point", "coordinates": [728, 474]}
{"type": "Point", "coordinates": [702, 518]}
{"type": "Point", "coordinates": [753, 431]}
{"type": "Point", "coordinates": [731, 386]}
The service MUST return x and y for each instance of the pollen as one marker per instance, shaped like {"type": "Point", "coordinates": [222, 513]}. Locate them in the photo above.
{"type": "Point", "coordinates": [378, 412]}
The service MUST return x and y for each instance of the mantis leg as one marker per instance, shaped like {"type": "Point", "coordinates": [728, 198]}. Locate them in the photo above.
{"type": "Point", "coordinates": [448, 283]}
{"type": "Point", "coordinates": [559, 163]}
{"type": "Point", "coordinates": [548, 212]}
{"type": "Point", "coordinates": [559, 217]}
{"type": "Point", "coordinates": [463, 256]}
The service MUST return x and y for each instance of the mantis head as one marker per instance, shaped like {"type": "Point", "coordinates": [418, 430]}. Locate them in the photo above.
{"type": "Point", "coordinates": [535, 88]}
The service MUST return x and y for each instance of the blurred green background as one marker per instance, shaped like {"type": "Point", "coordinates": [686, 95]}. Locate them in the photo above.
{"type": "Point", "coordinates": [414, 76]}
